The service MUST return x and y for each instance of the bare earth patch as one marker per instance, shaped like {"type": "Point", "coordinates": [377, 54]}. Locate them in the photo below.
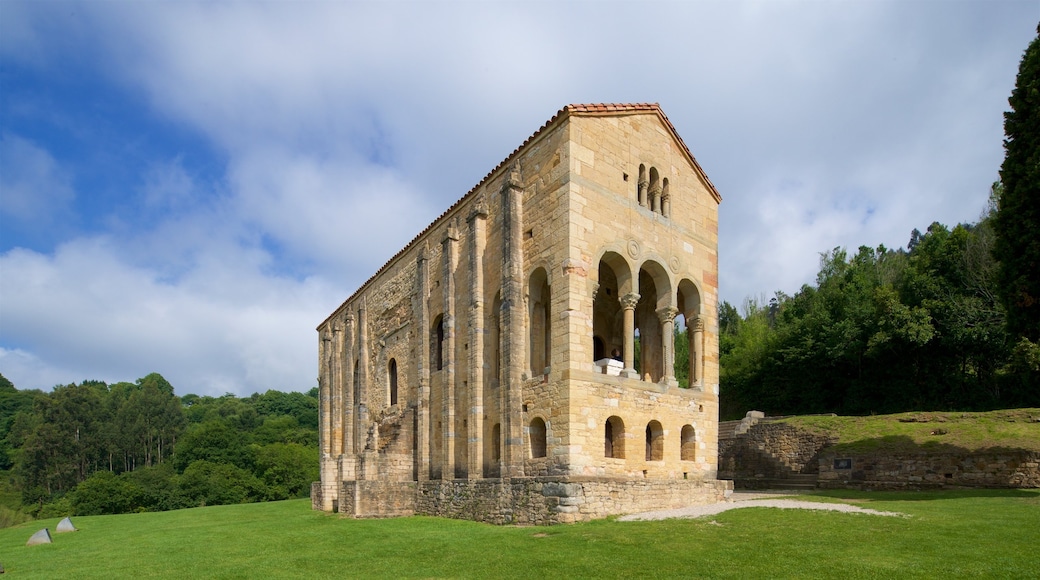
{"type": "Point", "coordinates": [747, 500]}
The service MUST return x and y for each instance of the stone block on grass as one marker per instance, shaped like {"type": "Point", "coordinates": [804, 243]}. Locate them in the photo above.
{"type": "Point", "coordinates": [65, 525]}
{"type": "Point", "coordinates": [41, 537]}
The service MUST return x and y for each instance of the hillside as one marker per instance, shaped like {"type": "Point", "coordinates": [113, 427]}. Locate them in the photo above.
{"type": "Point", "coordinates": [929, 431]}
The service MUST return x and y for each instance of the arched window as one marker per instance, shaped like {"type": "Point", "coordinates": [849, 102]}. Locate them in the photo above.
{"type": "Point", "coordinates": [392, 375]}
{"type": "Point", "coordinates": [537, 435]}
{"type": "Point", "coordinates": [437, 346]}
{"type": "Point", "coordinates": [655, 191]}
{"type": "Point", "coordinates": [641, 186]}
{"type": "Point", "coordinates": [614, 438]}
{"type": "Point", "coordinates": [688, 445]}
{"type": "Point", "coordinates": [496, 443]}
{"type": "Point", "coordinates": [666, 199]}
{"type": "Point", "coordinates": [654, 441]}
{"type": "Point", "coordinates": [540, 318]}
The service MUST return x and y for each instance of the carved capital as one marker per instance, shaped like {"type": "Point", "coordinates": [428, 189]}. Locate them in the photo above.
{"type": "Point", "coordinates": [452, 233]}
{"type": "Point", "coordinates": [695, 324]}
{"type": "Point", "coordinates": [667, 314]}
{"type": "Point", "coordinates": [629, 301]}
{"type": "Point", "coordinates": [655, 191]}
{"type": "Point", "coordinates": [514, 180]}
{"type": "Point", "coordinates": [480, 209]}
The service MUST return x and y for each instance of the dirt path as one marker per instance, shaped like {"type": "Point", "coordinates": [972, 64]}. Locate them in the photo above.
{"type": "Point", "coordinates": [750, 499]}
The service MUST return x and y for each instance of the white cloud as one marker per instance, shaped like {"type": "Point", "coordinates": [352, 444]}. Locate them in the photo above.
{"type": "Point", "coordinates": [223, 326]}
{"type": "Point", "coordinates": [34, 186]}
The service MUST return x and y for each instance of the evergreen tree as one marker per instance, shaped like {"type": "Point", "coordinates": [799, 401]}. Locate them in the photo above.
{"type": "Point", "coordinates": [1017, 225]}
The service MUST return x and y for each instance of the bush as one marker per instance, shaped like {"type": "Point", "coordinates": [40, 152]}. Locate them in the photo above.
{"type": "Point", "coordinates": [106, 493]}
{"type": "Point", "coordinates": [207, 483]}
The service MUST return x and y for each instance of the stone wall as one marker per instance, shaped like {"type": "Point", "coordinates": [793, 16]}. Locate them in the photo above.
{"type": "Point", "coordinates": [770, 450]}
{"type": "Point", "coordinates": [546, 501]}
{"type": "Point", "coordinates": [996, 469]}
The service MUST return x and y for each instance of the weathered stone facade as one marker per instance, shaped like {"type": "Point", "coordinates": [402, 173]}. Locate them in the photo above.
{"type": "Point", "coordinates": [487, 371]}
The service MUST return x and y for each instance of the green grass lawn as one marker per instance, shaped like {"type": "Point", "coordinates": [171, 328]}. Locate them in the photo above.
{"type": "Point", "coordinates": [984, 533]}
{"type": "Point", "coordinates": [931, 431]}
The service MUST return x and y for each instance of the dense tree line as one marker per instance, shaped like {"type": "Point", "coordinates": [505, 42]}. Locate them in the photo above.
{"type": "Point", "coordinates": [93, 448]}
{"type": "Point", "coordinates": [883, 331]}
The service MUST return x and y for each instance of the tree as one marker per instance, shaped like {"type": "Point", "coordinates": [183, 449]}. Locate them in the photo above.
{"type": "Point", "coordinates": [1018, 214]}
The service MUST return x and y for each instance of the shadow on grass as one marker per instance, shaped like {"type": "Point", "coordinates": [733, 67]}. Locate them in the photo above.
{"type": "Point", "coordinates": [931, 495]}
{"type": "Point", "coordinates": [892, 444]}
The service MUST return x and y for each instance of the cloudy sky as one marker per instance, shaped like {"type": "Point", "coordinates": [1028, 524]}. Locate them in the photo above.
{"type": "Point", "coordinates": [191, 188]}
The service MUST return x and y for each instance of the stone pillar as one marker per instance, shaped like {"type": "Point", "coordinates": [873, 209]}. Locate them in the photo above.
{"type": "Point", "coordinates": [655, 198]}
{"type": "Point", "coordinates": [666, 204]}
{"type": "Point", "coordinates": [628, 305]}
{"type": "Point", "coordinates": [361, 418]}
{"type": "Point", "coordinates": [475, 244]}
{"type": "Point", "coordinates": [329, 473]}
{"type": "Point", "coordinates": [324, 393]}
{"type": "Point", "coordinates": [336, 397]}
{"type": "Point", "coordinates": [348, 357]}
{"type": "Point", "coordinates": [667, 317]}
{"type": "Point", "coordinates": [450, 253]}
{"type": "Point", "coordinates": [422, 430]}
{"type": "Point", "coordinates": [643, 185]}
{"type": "Point", "coordinates": [696, 327]}
{"type": "Point", "coordinates": [513, 323]}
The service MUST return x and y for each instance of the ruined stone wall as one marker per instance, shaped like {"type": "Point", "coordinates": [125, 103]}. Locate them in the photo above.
{"type": "Point", "coordinates": [771, 450]}
{"type": "Point", "coordinates": [897, 471]}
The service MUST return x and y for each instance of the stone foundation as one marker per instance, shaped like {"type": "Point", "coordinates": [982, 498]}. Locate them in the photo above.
{"type": "Point", "coordinates": [993, 469]}
{"type": "Point", "coordinates": [524, 500]}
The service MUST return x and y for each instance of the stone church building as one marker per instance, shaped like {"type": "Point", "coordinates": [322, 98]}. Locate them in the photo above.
{"type": "Point", "coordinates": [514, 362]}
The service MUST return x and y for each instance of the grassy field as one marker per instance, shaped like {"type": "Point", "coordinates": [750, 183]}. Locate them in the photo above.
{"type": "Point", "coordinates": [932, 431]}
{"type": "Point", "coordinates": [984, 533]}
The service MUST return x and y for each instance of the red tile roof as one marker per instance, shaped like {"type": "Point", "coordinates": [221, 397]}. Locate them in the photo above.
{"type": "Point", "coordinates": [584, 110]}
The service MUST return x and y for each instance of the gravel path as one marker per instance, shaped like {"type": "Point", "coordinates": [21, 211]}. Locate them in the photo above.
{"type": "Point", "coordinates": [747, 500]}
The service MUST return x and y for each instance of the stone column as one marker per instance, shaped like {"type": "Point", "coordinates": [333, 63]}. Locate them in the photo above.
{"type": "Point", "coordinates": [513, 323]}
{"type": "Point", "coordinates": [666, 204]}
{"type": "Point", "coordinates": [643, 185]}
{"type": "Point", "coordinates": [628, 305]}
{"type": "Point", "coordinates": [475, 244]}
{"type": "Point", "coordinates": [324, 393]}
{"type": "Point", "coordinates": [348, 459]}
{"type": "Point", "coordinates": [329, 479]}
{"type": "Point", "coordinates": [422, 447]}
{"type": "Point", "coordinates": [450, 253]}
{"type": "Point", "coordinates": [655, 198]}
{"type": "Point", "coordinates": [361, 418]}
{"type": "Point", "coordinates": [696, 327]}
{"type": "Point", "coordinates": [337, 389]}
{"type": "Point", "coordinates": [667, 317]}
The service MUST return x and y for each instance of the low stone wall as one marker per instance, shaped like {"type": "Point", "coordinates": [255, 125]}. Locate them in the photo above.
{"type": "Point", "coordinates": [556, 500]}
{"type": "Point", "coordinates": [996, 469]}
{"type": "Point", "coordinates": [524, 500]}
{"type": "Point", "coordinates": [770, 450]}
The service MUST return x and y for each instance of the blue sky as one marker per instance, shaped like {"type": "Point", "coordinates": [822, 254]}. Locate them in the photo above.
{"type": "Point", "coordinates": [190, 188]}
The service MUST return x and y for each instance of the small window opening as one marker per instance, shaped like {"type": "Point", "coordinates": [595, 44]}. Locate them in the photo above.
{"type": "Point", "coordinates": [537, 435]}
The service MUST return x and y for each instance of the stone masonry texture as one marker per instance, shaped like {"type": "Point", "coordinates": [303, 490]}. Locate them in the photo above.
{"type": "Point", "coordinates": [487, 371]}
